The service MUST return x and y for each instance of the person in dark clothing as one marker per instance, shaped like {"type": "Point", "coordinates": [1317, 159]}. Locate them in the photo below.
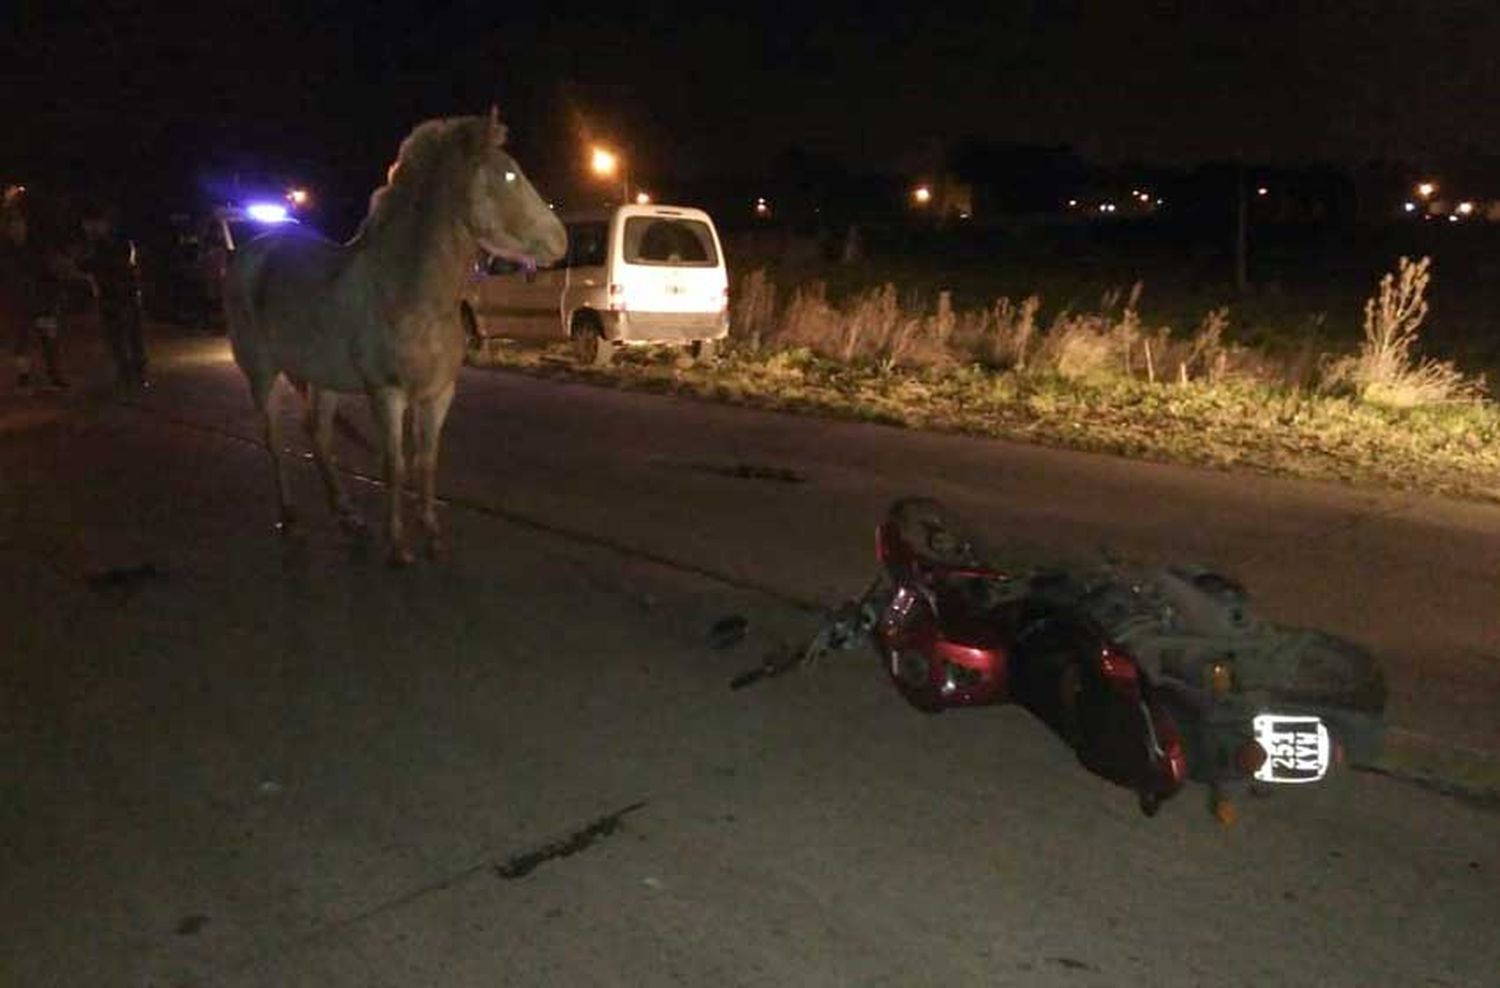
{"type": "Point", "coordinates": [30, 296]}
{"type": "Point", "coordinates": [109, 261]}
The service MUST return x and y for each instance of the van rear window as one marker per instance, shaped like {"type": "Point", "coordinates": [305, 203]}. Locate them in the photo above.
{"type": "Point", "coordinates": [663, 240]}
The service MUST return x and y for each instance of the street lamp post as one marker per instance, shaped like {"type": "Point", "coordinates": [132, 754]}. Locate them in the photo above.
{"type": "Point", "coordinates": [606, 163]}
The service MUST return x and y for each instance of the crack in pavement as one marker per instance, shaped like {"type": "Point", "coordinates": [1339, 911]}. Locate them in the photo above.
{"type": "Point", "coordinates": [516, 866]}
{"type": "Point", "coordinates": [746, 471]}
{"type": "Point", "coordinates": [523, 864]}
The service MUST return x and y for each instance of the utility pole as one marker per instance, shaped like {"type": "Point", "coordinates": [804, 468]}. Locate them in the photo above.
{"type": "Point", "coordinates": [1241, 232]}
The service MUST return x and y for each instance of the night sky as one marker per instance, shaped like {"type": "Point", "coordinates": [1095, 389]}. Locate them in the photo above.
{"type": "Point", "coordinates": [136, 95]}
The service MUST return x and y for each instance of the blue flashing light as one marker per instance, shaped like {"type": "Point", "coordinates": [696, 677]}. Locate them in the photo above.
{"type": "Point", "coordinates": [267, 212]}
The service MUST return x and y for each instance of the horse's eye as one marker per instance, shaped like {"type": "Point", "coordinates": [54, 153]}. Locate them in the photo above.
{"type": "Point", "coordinates": [510, 176]}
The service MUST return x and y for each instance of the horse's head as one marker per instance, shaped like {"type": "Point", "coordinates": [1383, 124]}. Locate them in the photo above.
{"type": "Point", "coordinates": [506, 215]}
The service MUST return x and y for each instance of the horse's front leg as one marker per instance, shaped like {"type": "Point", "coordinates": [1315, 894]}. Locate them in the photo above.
{"type": "Point", "coordinates": [390, 410]}
{"type": "Point", "coordinates": [427, 432]}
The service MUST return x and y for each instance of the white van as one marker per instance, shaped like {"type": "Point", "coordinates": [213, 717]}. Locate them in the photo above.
{"type": "Point", "coordinates": [633, 274]}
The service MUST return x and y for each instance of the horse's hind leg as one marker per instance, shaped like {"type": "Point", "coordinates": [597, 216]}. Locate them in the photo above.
{"type": "Point", "coordinates": [427, 432]}
{"type": "Point", "coordinates": [390, 409]}
{"type": "Point", "coordinates": [322, 405]}
{"type": "Point", "coordinates": [263, 391]}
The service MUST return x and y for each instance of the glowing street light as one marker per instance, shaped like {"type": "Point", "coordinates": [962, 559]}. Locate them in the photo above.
{"type": "Point", "coordinates": [1426, 189]}
{"type": "Point", "coordinates": [762, 208]}
{"type": "Point", "coordinates": [921, 195]}
{"type": "Point", "coordinates": [643, 199]}
{"type": "Point", "coordinates": [1262, 191]}
{"type": "Point", "coordinates": [1410, 207]}
{"type": "Point", "coordinates": [298, 196]}
{"type": "Point", "coordinates": [604, 162]}
{"type": "Point", "coordinates": [607, 164]}
{"type": "Point", "coordinates": [1465, 209]}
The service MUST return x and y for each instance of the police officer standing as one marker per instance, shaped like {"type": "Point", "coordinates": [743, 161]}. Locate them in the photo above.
{"type": "Point", "coordinates": [109, 260]}
{"type": "Point", "coordinates": [28, 292]}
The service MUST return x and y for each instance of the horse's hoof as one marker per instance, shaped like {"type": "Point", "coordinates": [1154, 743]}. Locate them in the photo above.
{"type": "Point", "coordinates": [401, 557]}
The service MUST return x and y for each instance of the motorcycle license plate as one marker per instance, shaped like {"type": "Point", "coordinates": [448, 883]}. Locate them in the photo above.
{"type": "Point", "coordinates": [1298, 748]}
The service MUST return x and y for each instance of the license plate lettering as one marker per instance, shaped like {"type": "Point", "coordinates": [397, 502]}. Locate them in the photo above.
{"type": "Point", "coordinates": [1298, 747]}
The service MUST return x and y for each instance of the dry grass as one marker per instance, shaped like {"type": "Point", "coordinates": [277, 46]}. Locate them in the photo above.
{"type": "Point", "coordinates": [877, 328]}
{"type": "Point", "coordinates": [1386, 371]}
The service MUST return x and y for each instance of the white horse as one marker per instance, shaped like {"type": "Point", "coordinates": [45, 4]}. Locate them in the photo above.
{"type": "Point", "coordinates": [380, 314]}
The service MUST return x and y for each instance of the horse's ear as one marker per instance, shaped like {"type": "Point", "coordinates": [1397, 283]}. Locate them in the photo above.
{"type": "Point", "coordinates": [497, 129]}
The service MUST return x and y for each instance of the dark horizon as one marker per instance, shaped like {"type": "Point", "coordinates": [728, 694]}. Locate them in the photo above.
{"type": "Point", "coordinates": [169, 98]}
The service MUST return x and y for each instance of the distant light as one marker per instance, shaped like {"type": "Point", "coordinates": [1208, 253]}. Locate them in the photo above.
{"type": "Point", "coordinates": [267, 212]}
{"type": "Point", "coordinates": [643, 198]}
{"type": "Point", "coordinates": [604, 161]}
{"type": "Point", "coordinates": [298, 196]}
{"type": "Point", "coordinates": [963, 215]}
{"type": "Point", "coordinates": [1136, 193]}
{"type": "Point", "coordinates": [1465, 208]}
{"type": "Point", "coordinates": [1426, 189]}
{"type": "Point", "coordinates": [762, 208]}
{"type": "Point", "coordinates": [1452, 219]}
{"type": "Point", "coordinates": [921, 195]}
{"type": "Point", "coordinates": [1072, 203]}
{"type": "Point", "coordinates": [1410, 207]}
{"type": "Point", "coordinates": [1262, 191]}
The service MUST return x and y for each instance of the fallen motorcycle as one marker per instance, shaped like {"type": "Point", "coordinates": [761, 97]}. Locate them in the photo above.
{"type": "Point", "coordinates": [1153, 675]}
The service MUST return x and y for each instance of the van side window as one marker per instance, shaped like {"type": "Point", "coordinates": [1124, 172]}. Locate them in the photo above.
{"type": "Point", "coordinates": [502, 265]}
{"type": "Point", "coordinates": [586, 244]}
{"type": "Point", "coordinates": [659, 240]}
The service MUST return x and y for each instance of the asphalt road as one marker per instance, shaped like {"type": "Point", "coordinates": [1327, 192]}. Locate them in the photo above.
{"type": "Point", "coordinates": [228, 760]}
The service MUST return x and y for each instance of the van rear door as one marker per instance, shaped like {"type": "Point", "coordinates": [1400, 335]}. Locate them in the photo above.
{"type": "Point", "coordinates": [672, 264]}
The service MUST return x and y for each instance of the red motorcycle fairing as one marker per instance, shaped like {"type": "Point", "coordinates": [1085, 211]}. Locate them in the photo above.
{"type": "Point", "coordinates": [954, 632]}
{"type": "Point", "coordinates": [942, 643]}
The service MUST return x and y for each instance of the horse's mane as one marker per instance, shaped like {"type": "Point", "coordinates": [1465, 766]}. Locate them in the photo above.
{"type": "Point", "coordinates": [422, 156]}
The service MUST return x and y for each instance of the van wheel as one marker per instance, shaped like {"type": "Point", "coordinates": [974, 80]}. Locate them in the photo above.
{"type": "Point", "coordinates": [590, 348]}
{"type": "Point", "coordinates": [705, 351]}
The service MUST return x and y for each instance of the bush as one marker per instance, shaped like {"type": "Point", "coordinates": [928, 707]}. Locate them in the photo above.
{"type": "Point", "coordinates": [1385, 372]}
